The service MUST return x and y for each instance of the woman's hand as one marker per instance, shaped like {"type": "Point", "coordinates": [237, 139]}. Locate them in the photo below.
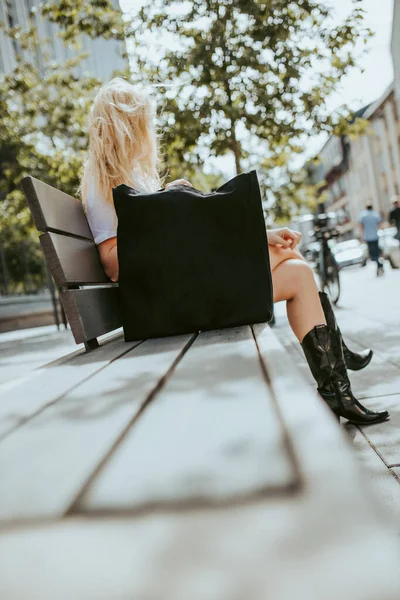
{"type": "Point", "coordinates": [284, 237]}
{"type": "Point", "coordinates": [178, 182]}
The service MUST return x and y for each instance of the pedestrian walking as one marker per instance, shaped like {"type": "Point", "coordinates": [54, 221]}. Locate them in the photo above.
{"type": "Point", "coordinates": [394, 216]}
{"type": "Point", "coordinates": [369, 221]}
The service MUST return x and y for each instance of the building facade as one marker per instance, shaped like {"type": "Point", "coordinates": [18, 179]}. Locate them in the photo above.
{"type": "Point", "coordinates": [374, 174]}
{"type": "Point", "coordinates": [365, 170]}
{"type": "Point", "coordinates": [103, 56]}
{"type": "Point", "coordinates": [335, 161]}
{"type": "Point", "coordinates": [396, 51]}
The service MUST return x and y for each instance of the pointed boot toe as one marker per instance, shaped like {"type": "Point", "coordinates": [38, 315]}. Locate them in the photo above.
{"type": "Point", "coordinates": [357, 361]}
{"type": "Point", "coordinates": [359, 415]}
{"type": "Point", "coordinates": [352, 410]}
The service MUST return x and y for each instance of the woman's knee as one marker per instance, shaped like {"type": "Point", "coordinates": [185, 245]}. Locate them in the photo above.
{"type": "Point", "coordinates": [290, 276]}
{"type": "Point", "coordinates": [301, 267]}
{"type": "Point", "coordinates": [297, 269]}
{"type": "Point", "coordinates": [302, 274]}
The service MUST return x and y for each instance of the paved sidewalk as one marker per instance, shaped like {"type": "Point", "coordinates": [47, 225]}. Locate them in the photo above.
{"type": "Point", "coordinates": [23, 312]}
{"type": "Point", "coordinates": [24, 350]}
{"type": "Point", "coordinates": [369, 316]}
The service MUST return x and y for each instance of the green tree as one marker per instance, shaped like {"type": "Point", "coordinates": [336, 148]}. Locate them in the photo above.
{"type": "Point", "coordinates": [253, 78]}
{"type": "Point", "coordinates": [97, 18]}
{"type": "Point", "coordinates": [43, 112]}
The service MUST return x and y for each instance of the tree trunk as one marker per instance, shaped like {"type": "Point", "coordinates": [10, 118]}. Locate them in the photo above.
{"type": "Point", "coordinates": [236, 150]}
{"type": "Point", "coordinates": [235, 145]}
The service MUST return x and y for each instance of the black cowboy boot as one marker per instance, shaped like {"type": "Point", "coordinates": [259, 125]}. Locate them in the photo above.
{"type": "Point", "coordinates": [323, 350]}
{"type": "Point", "coordinates": [354, 361]}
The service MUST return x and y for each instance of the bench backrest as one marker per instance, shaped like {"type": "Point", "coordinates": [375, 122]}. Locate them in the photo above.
{"type": "Point", "coordinates": [89, 299]}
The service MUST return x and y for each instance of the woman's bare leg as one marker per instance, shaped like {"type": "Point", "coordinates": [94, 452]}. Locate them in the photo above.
{"type": "Point", "coordinates": [293, 281]}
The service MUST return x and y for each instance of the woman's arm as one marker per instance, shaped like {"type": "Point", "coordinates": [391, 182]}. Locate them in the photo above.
{"type": "Point", "coordinates": [109, 258]}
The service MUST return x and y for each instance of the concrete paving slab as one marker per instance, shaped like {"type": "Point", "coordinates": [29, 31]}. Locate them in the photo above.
{"type": "Point", "coordinates": [383, 482]}
{"type": "Point", "coordinates": [380, 336]}
{"type": "Point", "coordinates": [396, 471]}
{"type": "Point", "coordinates": [26, 350]}
{"type": "Point", "coordinates": [378, 379]}
{"type": "Point", "coordinates": [385, 437]}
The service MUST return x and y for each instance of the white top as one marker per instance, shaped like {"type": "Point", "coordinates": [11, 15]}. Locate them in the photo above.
{"type": "Point", "coordinates": [101, 214]}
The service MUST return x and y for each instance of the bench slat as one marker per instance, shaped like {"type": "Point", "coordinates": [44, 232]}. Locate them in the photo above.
{"type": "Point", "coordinates": [92, 312]}
{"type": "Point", "coordinates": [211, 435]}
{"type": "Point", "coordinates": [306, 545]}
{"type": "Point", "coordinates": [53, 210]}
{"type": "Point", "coordinates": [72, 260]}
{"type": "Point", "coordinates": [18, 403]}
{"type": "Point", "coordinates": [45, 463]}
{"type": "Point", "coordinates": [259, 552]}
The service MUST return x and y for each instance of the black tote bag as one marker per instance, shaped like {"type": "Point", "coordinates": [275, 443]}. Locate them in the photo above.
{"type": "Point", "coordinates": [191, 261]}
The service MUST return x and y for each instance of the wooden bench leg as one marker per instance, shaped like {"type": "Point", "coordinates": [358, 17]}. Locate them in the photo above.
{"type": "Point", "coordinates": [91, 344]}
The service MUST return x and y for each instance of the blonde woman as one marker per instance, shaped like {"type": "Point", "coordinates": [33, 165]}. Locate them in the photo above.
{"type": "Point", "coordinates": [123, 148]}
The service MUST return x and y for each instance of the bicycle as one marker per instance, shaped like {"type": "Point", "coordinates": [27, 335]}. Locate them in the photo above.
{"type": "Point", "coordinates": [326, 265]}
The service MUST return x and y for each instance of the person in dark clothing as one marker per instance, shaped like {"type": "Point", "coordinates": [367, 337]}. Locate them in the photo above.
{"type": "Point", "coordinates": [394, 216]}
{"type": "Point", "coordinates": [370, 220]}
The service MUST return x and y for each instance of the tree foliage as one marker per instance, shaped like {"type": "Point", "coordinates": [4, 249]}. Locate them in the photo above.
{"type": "Point", "coordinates": [43, 113]}
{"type": "Point", "coordinates": [248, 77]}
{"type": "Point", "coordinates": [253, 78]}
{"type": "Point", "coordinates": [97, 18]}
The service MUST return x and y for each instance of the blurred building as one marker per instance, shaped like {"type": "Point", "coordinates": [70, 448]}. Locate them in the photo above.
{"type": "Point", "coordinates": [375, 158]}
{"type": "Point", "coordinates": [104, 56]}
{"type": "Point", "coordinates": [396, 51]}
{"type": "Point", "coordinates": [332, 174]}
{"type": "Point", "coordinates": [364, 170]}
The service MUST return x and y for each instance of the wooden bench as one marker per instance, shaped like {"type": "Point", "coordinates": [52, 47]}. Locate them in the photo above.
{"type": "Point", "coordinates": [198, 467]}
{"type": "Point", "coordinates": [89, 299]}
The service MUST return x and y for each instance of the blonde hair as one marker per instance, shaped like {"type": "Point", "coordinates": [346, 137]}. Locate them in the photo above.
{"type": "Point", "coordinates": [123, 141]}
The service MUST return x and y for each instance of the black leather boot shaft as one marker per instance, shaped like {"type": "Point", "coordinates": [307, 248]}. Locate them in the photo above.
{"type": "Point", "coordinates": [323, 350]}
{"type": "Point", "coordinates": [317, 349]}
{"type": "Point", "coordinates": [353, 360]}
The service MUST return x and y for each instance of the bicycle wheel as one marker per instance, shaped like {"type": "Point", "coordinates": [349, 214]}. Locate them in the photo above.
{"type": "Point", "coordinates": [332, 279]}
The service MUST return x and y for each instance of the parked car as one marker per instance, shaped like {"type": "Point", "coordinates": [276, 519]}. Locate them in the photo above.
{"type": "Point", "coordinates": [390, 246]}
{"type": "Point", "coordinates": [350, 252]}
